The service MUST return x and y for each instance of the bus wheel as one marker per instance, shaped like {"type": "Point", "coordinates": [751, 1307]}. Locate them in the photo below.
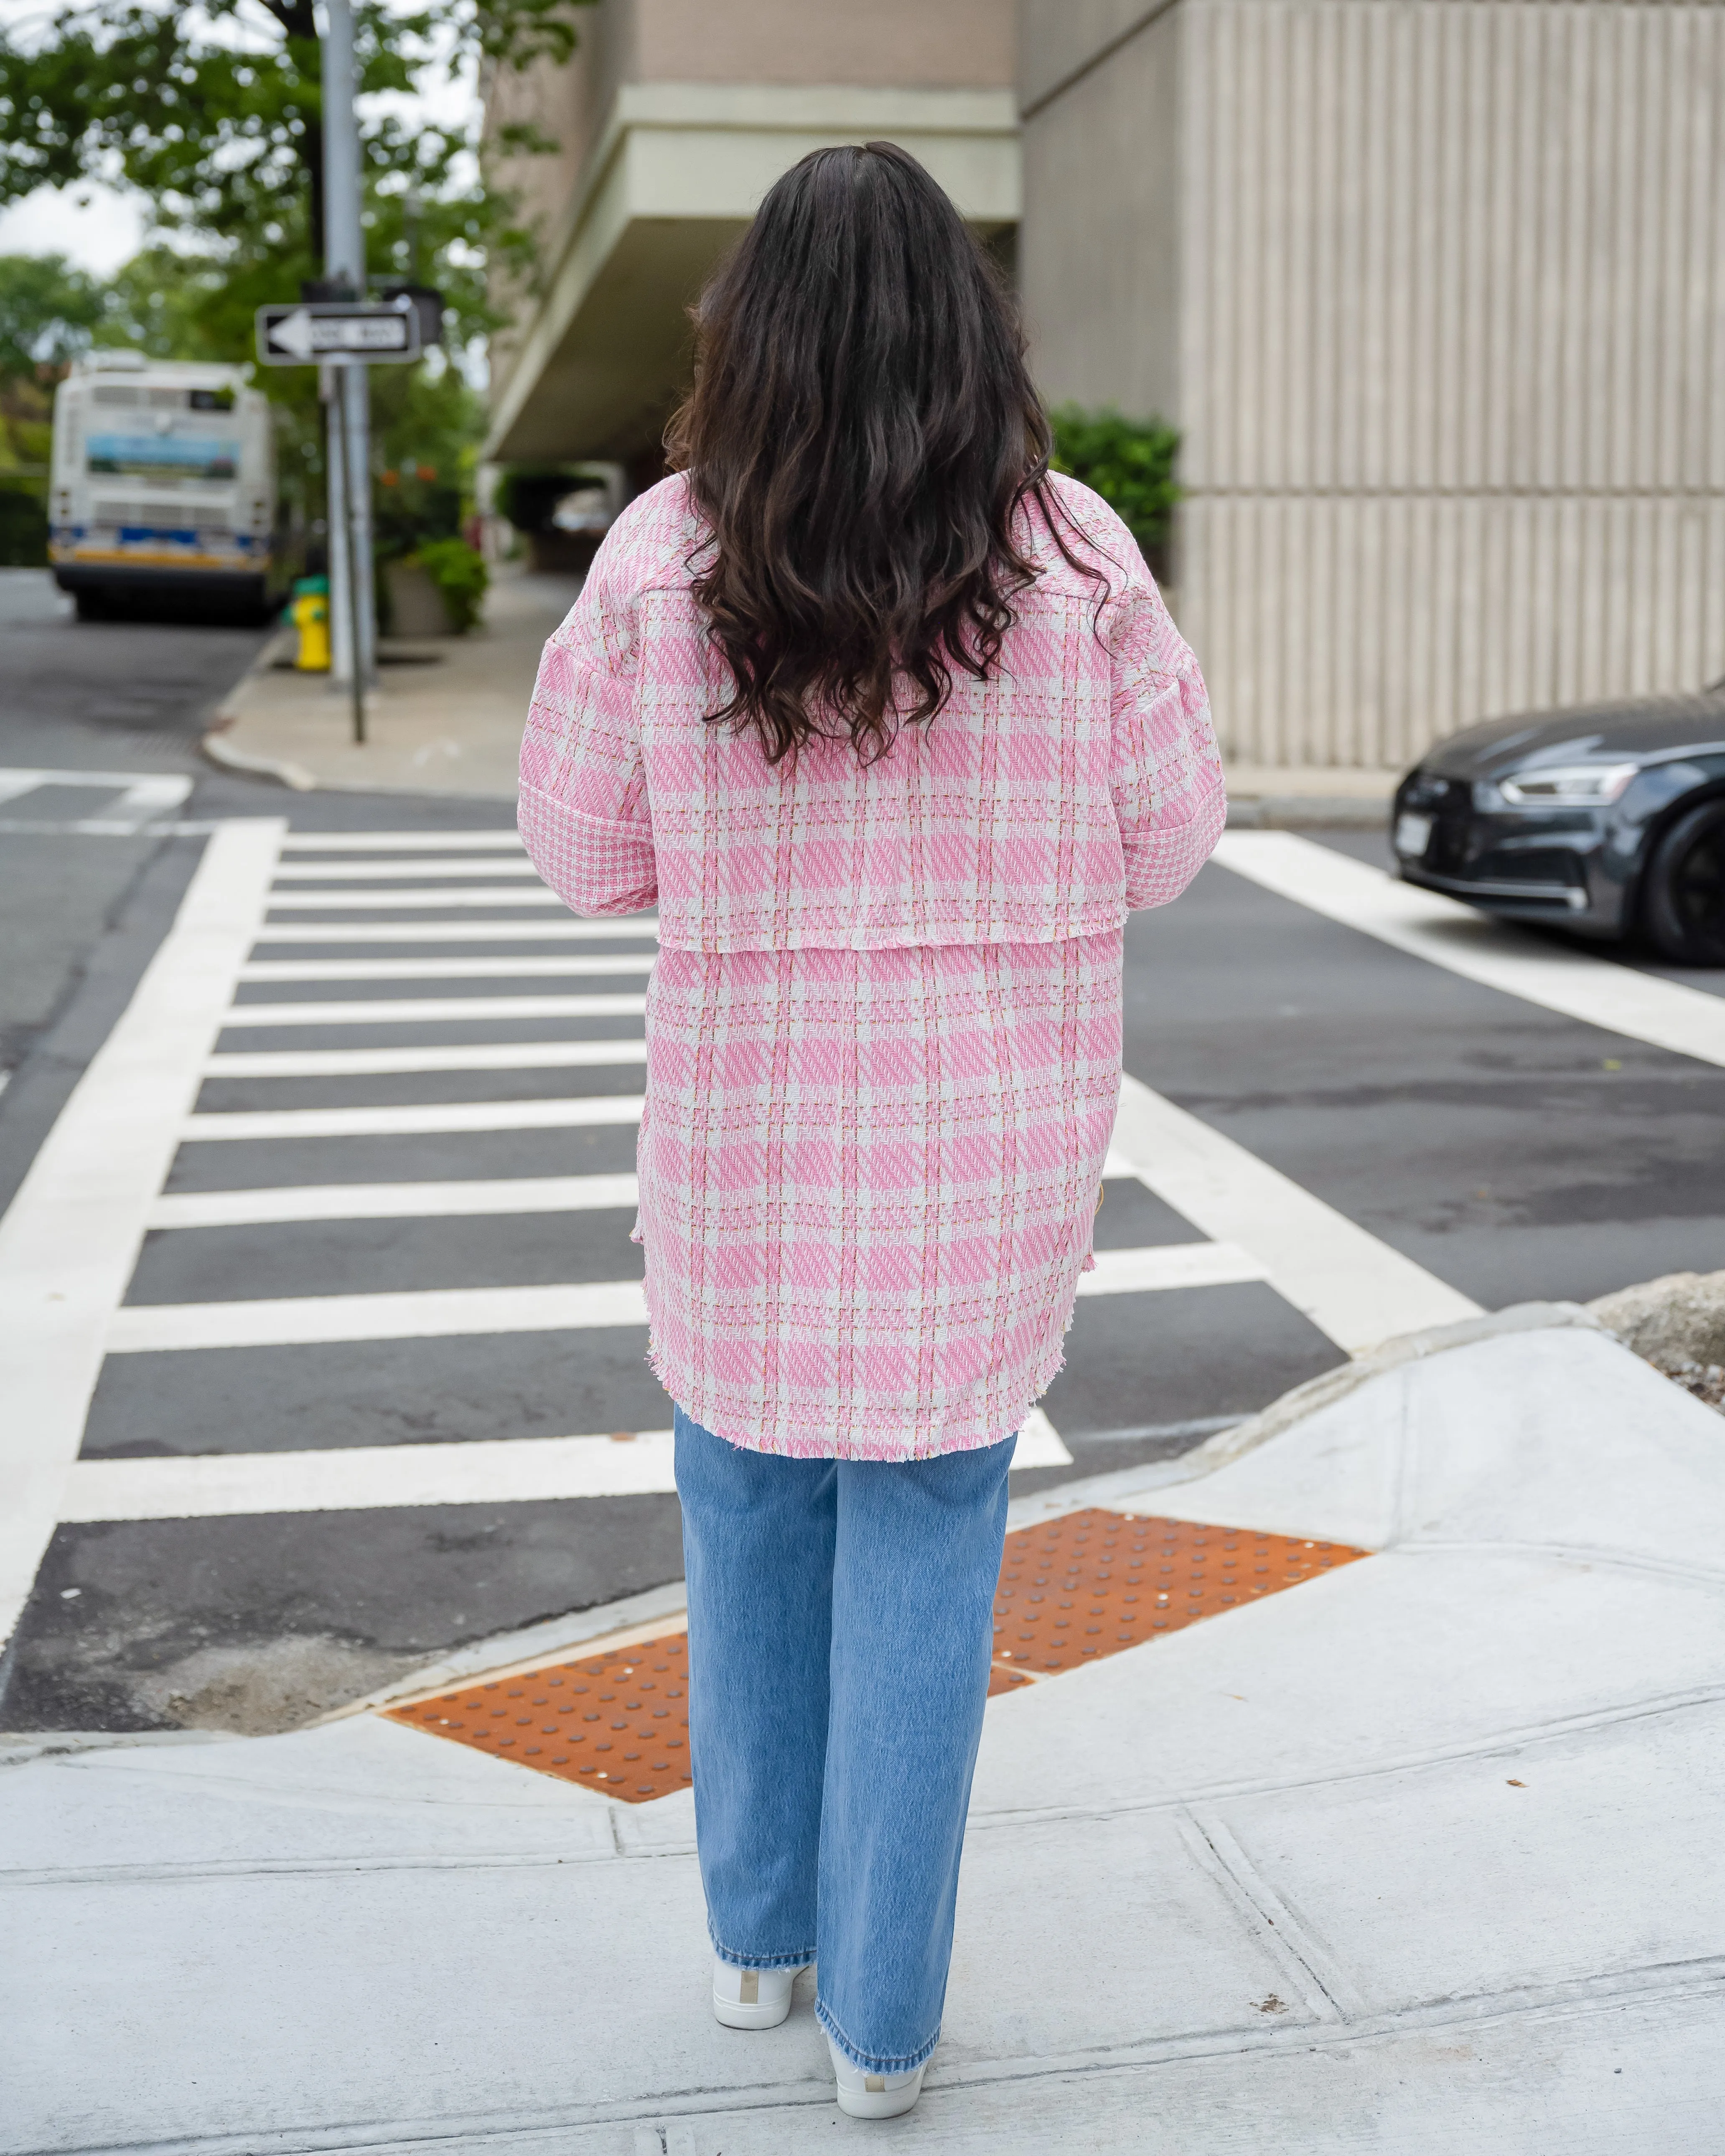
{"type": "Point", "coordinates": [91, 606]}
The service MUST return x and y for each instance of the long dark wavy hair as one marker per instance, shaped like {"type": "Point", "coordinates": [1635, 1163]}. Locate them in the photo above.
{"type": "Point", "coordinates": [861, 431]}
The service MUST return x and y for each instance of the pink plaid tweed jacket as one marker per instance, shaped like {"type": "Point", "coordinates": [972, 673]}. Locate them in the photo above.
{"type": "Point", "coordinates": [884, 1027]}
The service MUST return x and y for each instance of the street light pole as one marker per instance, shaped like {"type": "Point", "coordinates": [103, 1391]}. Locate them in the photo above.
{"type": "Point", "coordinates": [353, 607]}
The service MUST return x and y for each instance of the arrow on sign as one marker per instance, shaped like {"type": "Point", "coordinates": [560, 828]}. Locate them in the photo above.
{"type": "Point", "coordinates": [294, 334]}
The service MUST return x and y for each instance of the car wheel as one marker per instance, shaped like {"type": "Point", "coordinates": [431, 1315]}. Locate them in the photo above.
{"type": "Point", "coordinates": [1683, 910]}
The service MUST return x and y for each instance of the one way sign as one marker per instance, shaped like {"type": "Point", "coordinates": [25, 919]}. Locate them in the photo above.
{"type": "Point", "coordinates": [337, 329]}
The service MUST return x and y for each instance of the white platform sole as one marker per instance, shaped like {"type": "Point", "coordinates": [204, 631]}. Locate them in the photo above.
{"type": "Point", "coordinates": [751, 1998]}
{"type": "Point", "coordinates": [864, 2095]}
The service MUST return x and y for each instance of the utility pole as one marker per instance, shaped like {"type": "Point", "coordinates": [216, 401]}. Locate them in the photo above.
{"type": "Point", "coordinates": [352, 601]}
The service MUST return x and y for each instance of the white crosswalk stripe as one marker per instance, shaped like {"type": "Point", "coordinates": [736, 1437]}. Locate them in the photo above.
{"type": "Point", "coordinates": [422, 1313]}
{"type": "Point", "coordinates": [391, 1201]}
{"type": "Point", "coordinates": [430, 1010]}
{"type": "Point", "coordinates": [413, 1119]}
{"type": "Point", "coordinates": [402, 842]}
{"type": "Point", "coordinates": [401, 1062]}
{"type": "Point", "coordinates": [598, 964]}
{"type": "Point", "coordinates": [368, 934]}
{"type": "Point", "coordinates": [350, 1478]}
{"type": "Point", "coordinates": [431, 866]}
{"type": "Point", "coordinates": [375, 902]}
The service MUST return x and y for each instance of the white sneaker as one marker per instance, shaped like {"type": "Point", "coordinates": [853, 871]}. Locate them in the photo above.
{"type": "Point", "coordinates": [751, 1998]}
{"type": "Point", "coordinates": [864, 2095]}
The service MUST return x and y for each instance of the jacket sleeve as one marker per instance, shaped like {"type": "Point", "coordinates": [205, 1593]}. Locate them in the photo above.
{"type": "Point", "coordinates": [1169, 792]}
{"type": "Point", "coordinates": [582, 810]}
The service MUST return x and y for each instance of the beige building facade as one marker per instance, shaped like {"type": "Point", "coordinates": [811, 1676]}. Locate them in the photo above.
{"type": "Point", "coordinates": [673, 120]}
{"type": "Point", "coordinates": [1434, 289]}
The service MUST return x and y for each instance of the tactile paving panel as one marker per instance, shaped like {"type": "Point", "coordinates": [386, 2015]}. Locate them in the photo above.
{"type": "Point", "coordinates": [1089, 1584]}
{"type": "Point", "coordinates": [1094, 1582]}
{"type": "Point", "coordinates": [618, 1722]}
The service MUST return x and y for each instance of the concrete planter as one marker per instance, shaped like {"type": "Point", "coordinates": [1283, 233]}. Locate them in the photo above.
{"type": "Point", "coordinates": [416, 606]}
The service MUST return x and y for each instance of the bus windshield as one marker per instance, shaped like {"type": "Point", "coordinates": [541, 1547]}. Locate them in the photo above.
{"type": "Point", "coordinates": [163, 456]}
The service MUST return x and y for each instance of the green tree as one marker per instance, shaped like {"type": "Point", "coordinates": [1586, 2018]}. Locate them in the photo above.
{"type": "Point", "coordinates": [48, 309]}
{"type": "Point", "coordinates": [213, 113]}
{"type": "Point", "coordinates": [1130, 462]}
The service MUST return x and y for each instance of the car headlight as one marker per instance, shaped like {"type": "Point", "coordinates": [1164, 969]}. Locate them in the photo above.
{"type": "Point", "coordinates": [1566, 785]}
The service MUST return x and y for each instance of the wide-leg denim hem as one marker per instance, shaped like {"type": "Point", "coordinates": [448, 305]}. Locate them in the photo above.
{"type": "Point", "coordinates": [756, 1961]}
{"type": "Point", "coordinates": [869, 2061]}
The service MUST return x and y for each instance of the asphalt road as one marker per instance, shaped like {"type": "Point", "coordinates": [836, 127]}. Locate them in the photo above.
{"type": "Point", "coordinates": [278, 1503]}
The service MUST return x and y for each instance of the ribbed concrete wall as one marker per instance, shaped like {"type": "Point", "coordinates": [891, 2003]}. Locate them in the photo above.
{"type": "Point", "coordinates": [1449, 285]}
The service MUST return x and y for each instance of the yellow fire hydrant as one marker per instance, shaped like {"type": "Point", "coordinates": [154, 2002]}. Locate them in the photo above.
{"type": "Point", "coordinates": [310, 615]}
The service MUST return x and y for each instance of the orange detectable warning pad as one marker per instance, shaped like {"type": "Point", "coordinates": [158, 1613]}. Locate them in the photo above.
{"type": "Point", "coordinates": [1092, 1583]}
{"type": "Point", "coordinates": [618, 1722]}
{"type": "Point", "coordinates": [1082, 1587]}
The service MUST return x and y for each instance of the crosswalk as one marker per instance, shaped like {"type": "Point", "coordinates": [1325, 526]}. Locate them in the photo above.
{"type": "Point", "coordinates": [338, 1028]}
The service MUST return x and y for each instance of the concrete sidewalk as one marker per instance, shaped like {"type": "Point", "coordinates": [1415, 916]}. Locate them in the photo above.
{"type": "Point", "coordinates": [1422, 1856]}
{"type": "Point", "coordinates": [446, 716]}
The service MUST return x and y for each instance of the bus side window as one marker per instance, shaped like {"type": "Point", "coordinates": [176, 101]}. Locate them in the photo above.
{"type": "Point", "coordinates": [211, 400]}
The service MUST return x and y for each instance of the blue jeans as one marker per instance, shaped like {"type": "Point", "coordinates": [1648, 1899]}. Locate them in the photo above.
{"type": "Point", "coordinates": [840, 1629]}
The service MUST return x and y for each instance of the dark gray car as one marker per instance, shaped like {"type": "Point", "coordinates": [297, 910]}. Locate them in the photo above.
{"type": "Point", "coordinates": [1608, 819]}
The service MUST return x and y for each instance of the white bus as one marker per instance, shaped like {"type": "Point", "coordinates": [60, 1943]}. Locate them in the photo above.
{"type": "Point", "coordinates": [162, 488]}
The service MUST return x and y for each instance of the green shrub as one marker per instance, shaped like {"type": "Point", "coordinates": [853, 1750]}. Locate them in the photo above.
{"type": "Point", "coordinates": [23, 528]}
{"type": "Point", "coordinates": [1130, 462]}
{"type": "Point", "coordinates": [459, 573]}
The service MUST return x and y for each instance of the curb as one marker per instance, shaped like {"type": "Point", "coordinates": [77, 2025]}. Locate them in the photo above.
{"type": "Point", "coordinates": [1227, 1445]}
{"type": "Point", "coordinates": [226, 757]}
{"type": "Point", "coordinates": [1290, 812]}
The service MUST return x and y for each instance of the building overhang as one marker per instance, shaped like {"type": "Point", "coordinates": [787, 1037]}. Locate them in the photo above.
{"type": "Point", "coordinates": [677, 173]}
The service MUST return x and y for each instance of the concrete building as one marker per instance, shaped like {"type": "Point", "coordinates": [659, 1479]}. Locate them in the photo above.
{"type": "Point", "coordinates": [672, 121]}
{"type": "Point", "coordinates": [1435, 289]}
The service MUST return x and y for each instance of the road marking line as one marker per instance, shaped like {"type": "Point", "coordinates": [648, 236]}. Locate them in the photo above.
{"type": "Point", "coordinates": [147, 797]}
{"type": "Point", "coordinates": [421, 1010]}
{"type": "Point", "coordinates": [1169, 1265]}
{"type": "Point", "coordinates": [396, 1062]}
{"type": "Point", "coordinates": [1039, 1443]}
{"type": "Point", "coordinates": [17, 779]}
{"type": "Point", "coordinates": [100, 827]}
{"type": "Point", "coordinates": [413, 1119]}
{"type": "Point", "coordinates": [358, 901]}
{"type": "Point", "coordinates": [572, 930]}
{"type": "Point", "coordinates": [70, 1238]}
{"type": "Point", "coordinates": [478, 1472]}
{"type": "Point", "coordinates": [392, 1201]}
{"type": "Point", "coordinates": [1354, 1288]}
{"type": "Point", "coordinates": [292, 874]}
{"type": "Point", "coordinates": [404, 1314]}
{"type": "Point", "coordinates": [509, 1471]}
{"type": "Point", "coordinates": [402, 842]}
{"type": "Point", "coordinates": [409, 1201]}
{"type": "Point", "coordinates": [446, 969]}
{"type": "Point", "coordinates": [1445, 932]}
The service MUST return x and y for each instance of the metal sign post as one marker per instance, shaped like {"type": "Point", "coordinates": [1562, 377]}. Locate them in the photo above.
{"type": "Point", "coordinates": [341, 491]}
{"type": "Point", "coordinates": [343, 335]}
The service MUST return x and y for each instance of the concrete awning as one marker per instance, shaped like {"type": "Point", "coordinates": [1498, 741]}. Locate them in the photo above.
{"type": "Point", "coordinates": [676, 175]}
